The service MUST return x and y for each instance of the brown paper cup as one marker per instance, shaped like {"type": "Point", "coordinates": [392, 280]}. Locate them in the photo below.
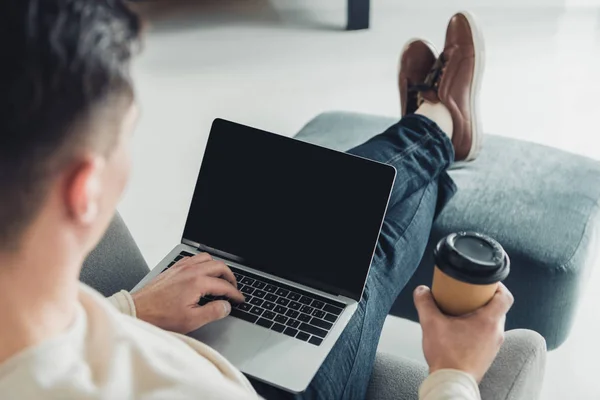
{"type": "Point", "coordinates": [456, 298]}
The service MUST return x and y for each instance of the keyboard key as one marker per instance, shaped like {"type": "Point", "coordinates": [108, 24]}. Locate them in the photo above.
{"type": "Point", "coordinates": [271, 297]}
{"type": "Point", "coordinates": [282, 292]}
{"type": "Point", "coordinates": [247, 281]}
{"type": "Point", "coordinates": [269, 306]}
{"type": "Point", "coordinates": [247, 290]}
{"type": "Point", "coordinates": [269, 315]}
{"type": "Point", "coordinates": [278, 327]}
{"type": "Point", "coordinates": [256, 310]}
{"type": "Point", "coordinates": [319, 314]}
{"type": "Point", "coordinates": [292, 314]}
{"type": "Point", "coordinates": [290, 332]}
{"type": "Point", "coordinates": [307, 309]}
{"type": "Point", "coordinates": [259, 293]}
{"type": "Point", "coordinates": [244, 307]}
{"type": "Point", "coordinates": [264, 322]}
{"type": "Point", "coordinates": [315, 340]}
{"type": "Point", "coordinates": [178, 258]}
{"type": "Point", "coordinates": [321, 324]}
{"type": "Point", "coordinates": [305, 300]}
{"type": "Point", "coordinates": [317, 304]}
{"type": "Point", "coordinates": [281, 319]}
{"type": "Point", "coordinates": [186, 254]}
{"type": "Point", "coordinates": [313, 330]}
{"type": "Point", "coordinates": [292, 323]}
{"type": "Point", "coordinates": [330, 317]}
{"type": "Point", "coordinates": [332, 309]}
{"type": "Point", "coordinates": [270, 289]}
{"type": "Point", "coordinates": [237, 276]}
{"type": "Point", "coordinates": [259, 284]}
{"type": "Point", "coordinates": [294, 306]}
{"type": "Point", "coordinates": [304, 317]}
{"type": "Point", "coordinates": [293, 296]}
{"type": "Point", "coordinates": [282, 302]}
{"type": "Point", "coordinates": [256, 301]}
{"type": "Point", "coordinates": [280, 310]}
{"type": "Point", "coordinates": [243, 315]}
{"type": "Point", "coordinates": [302, 336]}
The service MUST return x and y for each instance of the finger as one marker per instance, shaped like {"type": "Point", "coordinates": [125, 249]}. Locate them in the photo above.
{"type": "Point", "coordinates": [198, 258]}
{"type": "Point", "coordinates": [220, 287]}
{"type": "Point", "coordinates": [500, 303]}
{"type": "Point", "coordinates": [218, 269]}
{"type": "Point", "coordinates": [213, 311]}
{"type": "Point", "coordinates": [425, 304]}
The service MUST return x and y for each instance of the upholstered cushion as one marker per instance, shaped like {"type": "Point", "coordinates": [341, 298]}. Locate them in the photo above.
{"type": "Point", "coordinates": [516, 374]}
{"type": "Point", "coordinates": [540, 203]}
{"type": "Point", "coordinates": [116, 264]}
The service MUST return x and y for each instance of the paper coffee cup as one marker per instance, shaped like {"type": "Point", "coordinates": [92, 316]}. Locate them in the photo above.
{"type": "Point", "coordinates": [468, 268]}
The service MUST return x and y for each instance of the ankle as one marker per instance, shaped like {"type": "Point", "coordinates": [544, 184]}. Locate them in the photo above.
{"type": "Point", "coordinates": [439, 114]}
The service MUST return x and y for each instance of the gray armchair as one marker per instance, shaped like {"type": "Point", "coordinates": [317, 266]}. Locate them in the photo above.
{"type": "Point", "coordinates": [117, 264]}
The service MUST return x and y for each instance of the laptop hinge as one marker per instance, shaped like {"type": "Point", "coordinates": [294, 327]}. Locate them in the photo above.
{"type": "Point", "coordinates": [239, 260]}
{"type": "Point", "coordinates": [213, 251]}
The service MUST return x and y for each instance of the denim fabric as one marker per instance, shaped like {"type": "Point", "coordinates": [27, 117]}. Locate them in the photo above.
{"type": "Point", "coordinates": [421, 153]}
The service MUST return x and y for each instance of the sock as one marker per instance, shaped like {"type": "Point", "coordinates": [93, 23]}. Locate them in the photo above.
{"type": "Point", "coordinates": [439, 114]}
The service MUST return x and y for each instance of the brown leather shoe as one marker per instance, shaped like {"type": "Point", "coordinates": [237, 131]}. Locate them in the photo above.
{"type": "Point", "coordinates": [456, 81]}
{"type": "Point", "coordinates": [416, 62]}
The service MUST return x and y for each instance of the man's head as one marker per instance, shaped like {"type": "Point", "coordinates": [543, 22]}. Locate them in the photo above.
{"type": "Point", "coordinates": [66, 113]}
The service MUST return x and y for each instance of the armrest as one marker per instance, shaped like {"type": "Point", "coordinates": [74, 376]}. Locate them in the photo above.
{"type": "Point", "coordinates": [396, 378]}
{"type": "Point", "coordinates": [517, 372]}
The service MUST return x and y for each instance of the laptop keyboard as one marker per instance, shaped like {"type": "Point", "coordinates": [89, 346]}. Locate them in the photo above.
{"type": "Point", "coordinates": [279, 307]}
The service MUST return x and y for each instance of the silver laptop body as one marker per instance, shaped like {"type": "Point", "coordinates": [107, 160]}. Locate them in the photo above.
{"type": "Point", "coordinates": [255, 343]}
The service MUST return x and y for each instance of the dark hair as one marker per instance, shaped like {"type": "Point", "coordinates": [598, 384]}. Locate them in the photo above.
{"type": "Point", "coordinates": [60, 62]}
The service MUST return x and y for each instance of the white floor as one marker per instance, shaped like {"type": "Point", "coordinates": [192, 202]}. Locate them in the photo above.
{"type": "Point", "coordinates": [276, 64]}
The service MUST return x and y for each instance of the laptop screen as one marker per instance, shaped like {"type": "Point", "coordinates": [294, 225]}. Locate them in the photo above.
{"type": "Point", "coordinates": [289, 208]}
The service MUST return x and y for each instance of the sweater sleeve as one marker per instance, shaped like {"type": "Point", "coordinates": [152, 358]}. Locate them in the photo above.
{"type": "Point", "coordinates": [449, 384]}
{"type": "Point", "coordinates": [123, 302]}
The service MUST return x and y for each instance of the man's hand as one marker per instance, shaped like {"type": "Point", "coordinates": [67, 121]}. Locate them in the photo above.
{"type": "Point", "coordinates": [469, 343]}
{"type": "Point", "coordinates": [170, 301]}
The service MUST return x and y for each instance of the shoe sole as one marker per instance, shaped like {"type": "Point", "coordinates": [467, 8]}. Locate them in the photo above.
{"type": "Point", "coordinates": [476, 125]}
{"type": "Point", "coordinates": [408, 43]}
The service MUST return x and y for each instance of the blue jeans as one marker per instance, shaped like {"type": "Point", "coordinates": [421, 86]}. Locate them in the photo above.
{"type": "Point", "coordinates": [421, 153]}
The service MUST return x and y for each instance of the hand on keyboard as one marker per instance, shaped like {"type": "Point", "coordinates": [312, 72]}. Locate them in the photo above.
{"type": "Point", "coordinates": [170, 301]}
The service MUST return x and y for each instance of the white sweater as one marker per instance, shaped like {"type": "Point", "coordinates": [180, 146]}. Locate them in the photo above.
{"type": "Point", "coordinates": [107, 354]}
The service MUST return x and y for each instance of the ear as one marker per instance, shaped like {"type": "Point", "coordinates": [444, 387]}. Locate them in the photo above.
{"type": "Point", "coordinates": [83, 189]}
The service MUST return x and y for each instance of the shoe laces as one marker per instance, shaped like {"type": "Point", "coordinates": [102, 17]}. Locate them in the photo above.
{"type": "Point", "coordinates": [432, 80]}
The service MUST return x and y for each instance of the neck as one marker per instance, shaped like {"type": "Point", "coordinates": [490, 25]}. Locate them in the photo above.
{"type": "Point", "coordinates": [38, 297]}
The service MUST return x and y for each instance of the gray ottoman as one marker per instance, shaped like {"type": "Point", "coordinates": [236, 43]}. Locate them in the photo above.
{"type": "Point", "coordinates": [540, 203]}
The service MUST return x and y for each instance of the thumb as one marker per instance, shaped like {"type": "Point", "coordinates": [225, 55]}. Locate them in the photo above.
{"type": "Point", "coordinates": [213, 311]}
{"type": "Point", "coordinates": [425, 304]}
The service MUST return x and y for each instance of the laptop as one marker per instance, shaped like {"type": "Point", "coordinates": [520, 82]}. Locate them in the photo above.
{"type": "Point", "coordinates": [298, 225]}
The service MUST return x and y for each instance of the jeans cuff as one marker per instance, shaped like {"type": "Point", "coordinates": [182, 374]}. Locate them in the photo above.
{"type": "Point", "coordinates": [434, 130]}
{"type": "Point", "coordinates": [447, 188]}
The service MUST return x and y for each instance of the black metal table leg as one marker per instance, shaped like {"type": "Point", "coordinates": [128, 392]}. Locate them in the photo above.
{"type": "Point", "coordinates": [358, 14]}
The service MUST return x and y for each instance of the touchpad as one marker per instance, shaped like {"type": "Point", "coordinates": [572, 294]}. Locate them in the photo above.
{"type": "Point", "coordinates": [236, 340]}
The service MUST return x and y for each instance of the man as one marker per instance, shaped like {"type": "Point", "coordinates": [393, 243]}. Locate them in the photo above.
{"type": "Point", "coordinates": [67, 115]}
